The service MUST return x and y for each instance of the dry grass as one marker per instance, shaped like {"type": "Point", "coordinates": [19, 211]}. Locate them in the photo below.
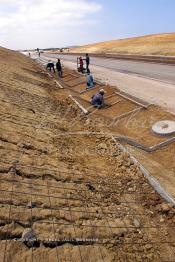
{"type": "Point", "coordinates": [161, 44]}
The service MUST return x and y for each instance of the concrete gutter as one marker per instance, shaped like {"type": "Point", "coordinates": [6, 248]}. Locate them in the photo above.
{"type": "Point", "coordinates": [150, 149]}
{"type": "Point", "coordinates": [153, 181]}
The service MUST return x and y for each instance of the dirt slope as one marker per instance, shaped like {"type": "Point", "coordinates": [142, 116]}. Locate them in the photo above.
{"type": "Point", "coordinates": [161, 44]}
{"type": "Point", "coordinates": [65, 197]}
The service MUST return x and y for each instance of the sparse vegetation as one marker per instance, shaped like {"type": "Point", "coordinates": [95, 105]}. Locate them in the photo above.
{"type": "Point", "coordinates": [161, 44]}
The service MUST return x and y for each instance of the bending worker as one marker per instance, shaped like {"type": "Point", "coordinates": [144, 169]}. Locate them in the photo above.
{"type": "Point", "coordinates": [90, 80]}
{"type": "Point", "coordinates": [51, 66]}
{"type": "Point", "coordinates": [98, 99]}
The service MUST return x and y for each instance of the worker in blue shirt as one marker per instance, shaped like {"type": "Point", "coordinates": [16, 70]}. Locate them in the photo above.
{"type": "Point", "coordinates": [90, 80]}
{"type": "Point", "coordinates": [98, 99]}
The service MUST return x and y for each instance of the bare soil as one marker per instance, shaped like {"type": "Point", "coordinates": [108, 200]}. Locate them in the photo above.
{"type": "Point", "coordinates": [69, 197]}
{"type": "Point", "coordinates": [137, 125]}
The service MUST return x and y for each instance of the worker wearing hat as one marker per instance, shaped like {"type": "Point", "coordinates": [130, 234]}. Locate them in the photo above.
{"type": "Point", "coordinates": [98, 99]}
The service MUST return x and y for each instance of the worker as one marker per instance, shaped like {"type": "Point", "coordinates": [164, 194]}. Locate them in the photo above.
{"type": "Point", "coordinates": [87, 62]}
{"type": "Point", "coordinates": [98, 99]}
{"type": "Point", "coordinates": [51, 66]}
{"type": "Point", "coordinates": [90, 80]}
{"type": "Point", "coordinates": [81, 65]}
{"type": "Point", "coordinates": [59, 68]}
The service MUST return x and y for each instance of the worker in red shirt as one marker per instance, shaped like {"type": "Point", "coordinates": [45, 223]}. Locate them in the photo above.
{"type": "Point", "coordinates": [81, 65]}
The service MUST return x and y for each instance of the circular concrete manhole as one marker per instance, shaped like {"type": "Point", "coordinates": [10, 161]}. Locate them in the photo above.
{"type": "Point", "coordinates": [165, 127]}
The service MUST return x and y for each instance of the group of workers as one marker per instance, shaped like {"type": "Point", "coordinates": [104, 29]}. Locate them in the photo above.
{"type": "Point", "coordinates": [51, 67]}
{"type": "Point", "coordinates": [80, 67]}
{"type": "Point", "coordinates": [97, 99]}
{"type": "Point", "coordinates": [80, 64]}
{"type": "Point", "coordinates": [90, 80]}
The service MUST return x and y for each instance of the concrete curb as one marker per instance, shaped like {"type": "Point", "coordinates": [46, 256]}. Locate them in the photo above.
{"type": "Point", "coordinates": [153, 181]}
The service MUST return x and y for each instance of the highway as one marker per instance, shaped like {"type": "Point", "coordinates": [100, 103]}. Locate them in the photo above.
{"type": "Point", "coordinates": [160, 72]}
{"type": "Point", "coordinates": [152, 82]}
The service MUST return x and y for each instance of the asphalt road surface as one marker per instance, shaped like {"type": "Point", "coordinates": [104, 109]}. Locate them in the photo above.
{"type": "Point", "coordinates": [160, 72]}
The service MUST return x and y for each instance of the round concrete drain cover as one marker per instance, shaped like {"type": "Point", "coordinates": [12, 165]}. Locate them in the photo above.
{"type": "Point", "coordinates": [165, 127]}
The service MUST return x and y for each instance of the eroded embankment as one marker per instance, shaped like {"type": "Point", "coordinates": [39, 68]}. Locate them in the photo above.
{"type": "Point", "coordinates": [69, 198]}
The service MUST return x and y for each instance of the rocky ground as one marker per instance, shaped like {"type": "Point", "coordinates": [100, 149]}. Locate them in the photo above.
{"type": "Point", "coordinates": [66, 196]}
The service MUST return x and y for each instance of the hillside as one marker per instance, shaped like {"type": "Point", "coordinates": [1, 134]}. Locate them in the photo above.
{"type": "Point", "coordinates": [161, 44]}
{"type": "Point", "coordinates": [66, 196]}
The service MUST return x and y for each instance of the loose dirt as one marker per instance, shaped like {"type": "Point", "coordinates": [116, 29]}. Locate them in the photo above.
{"type": "Point", "coordinates": [69, 197]}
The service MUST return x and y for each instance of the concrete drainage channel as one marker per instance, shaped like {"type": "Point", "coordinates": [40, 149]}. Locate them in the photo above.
{"type": "Point", "coordinates": [153, 182]}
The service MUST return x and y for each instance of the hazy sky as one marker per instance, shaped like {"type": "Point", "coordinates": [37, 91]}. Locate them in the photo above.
{"type": "Point", "coordinates": [56, 23]}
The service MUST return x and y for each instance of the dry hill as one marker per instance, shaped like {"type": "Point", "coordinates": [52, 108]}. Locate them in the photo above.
{"type": "Point", "coordinates": [161, 44]}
